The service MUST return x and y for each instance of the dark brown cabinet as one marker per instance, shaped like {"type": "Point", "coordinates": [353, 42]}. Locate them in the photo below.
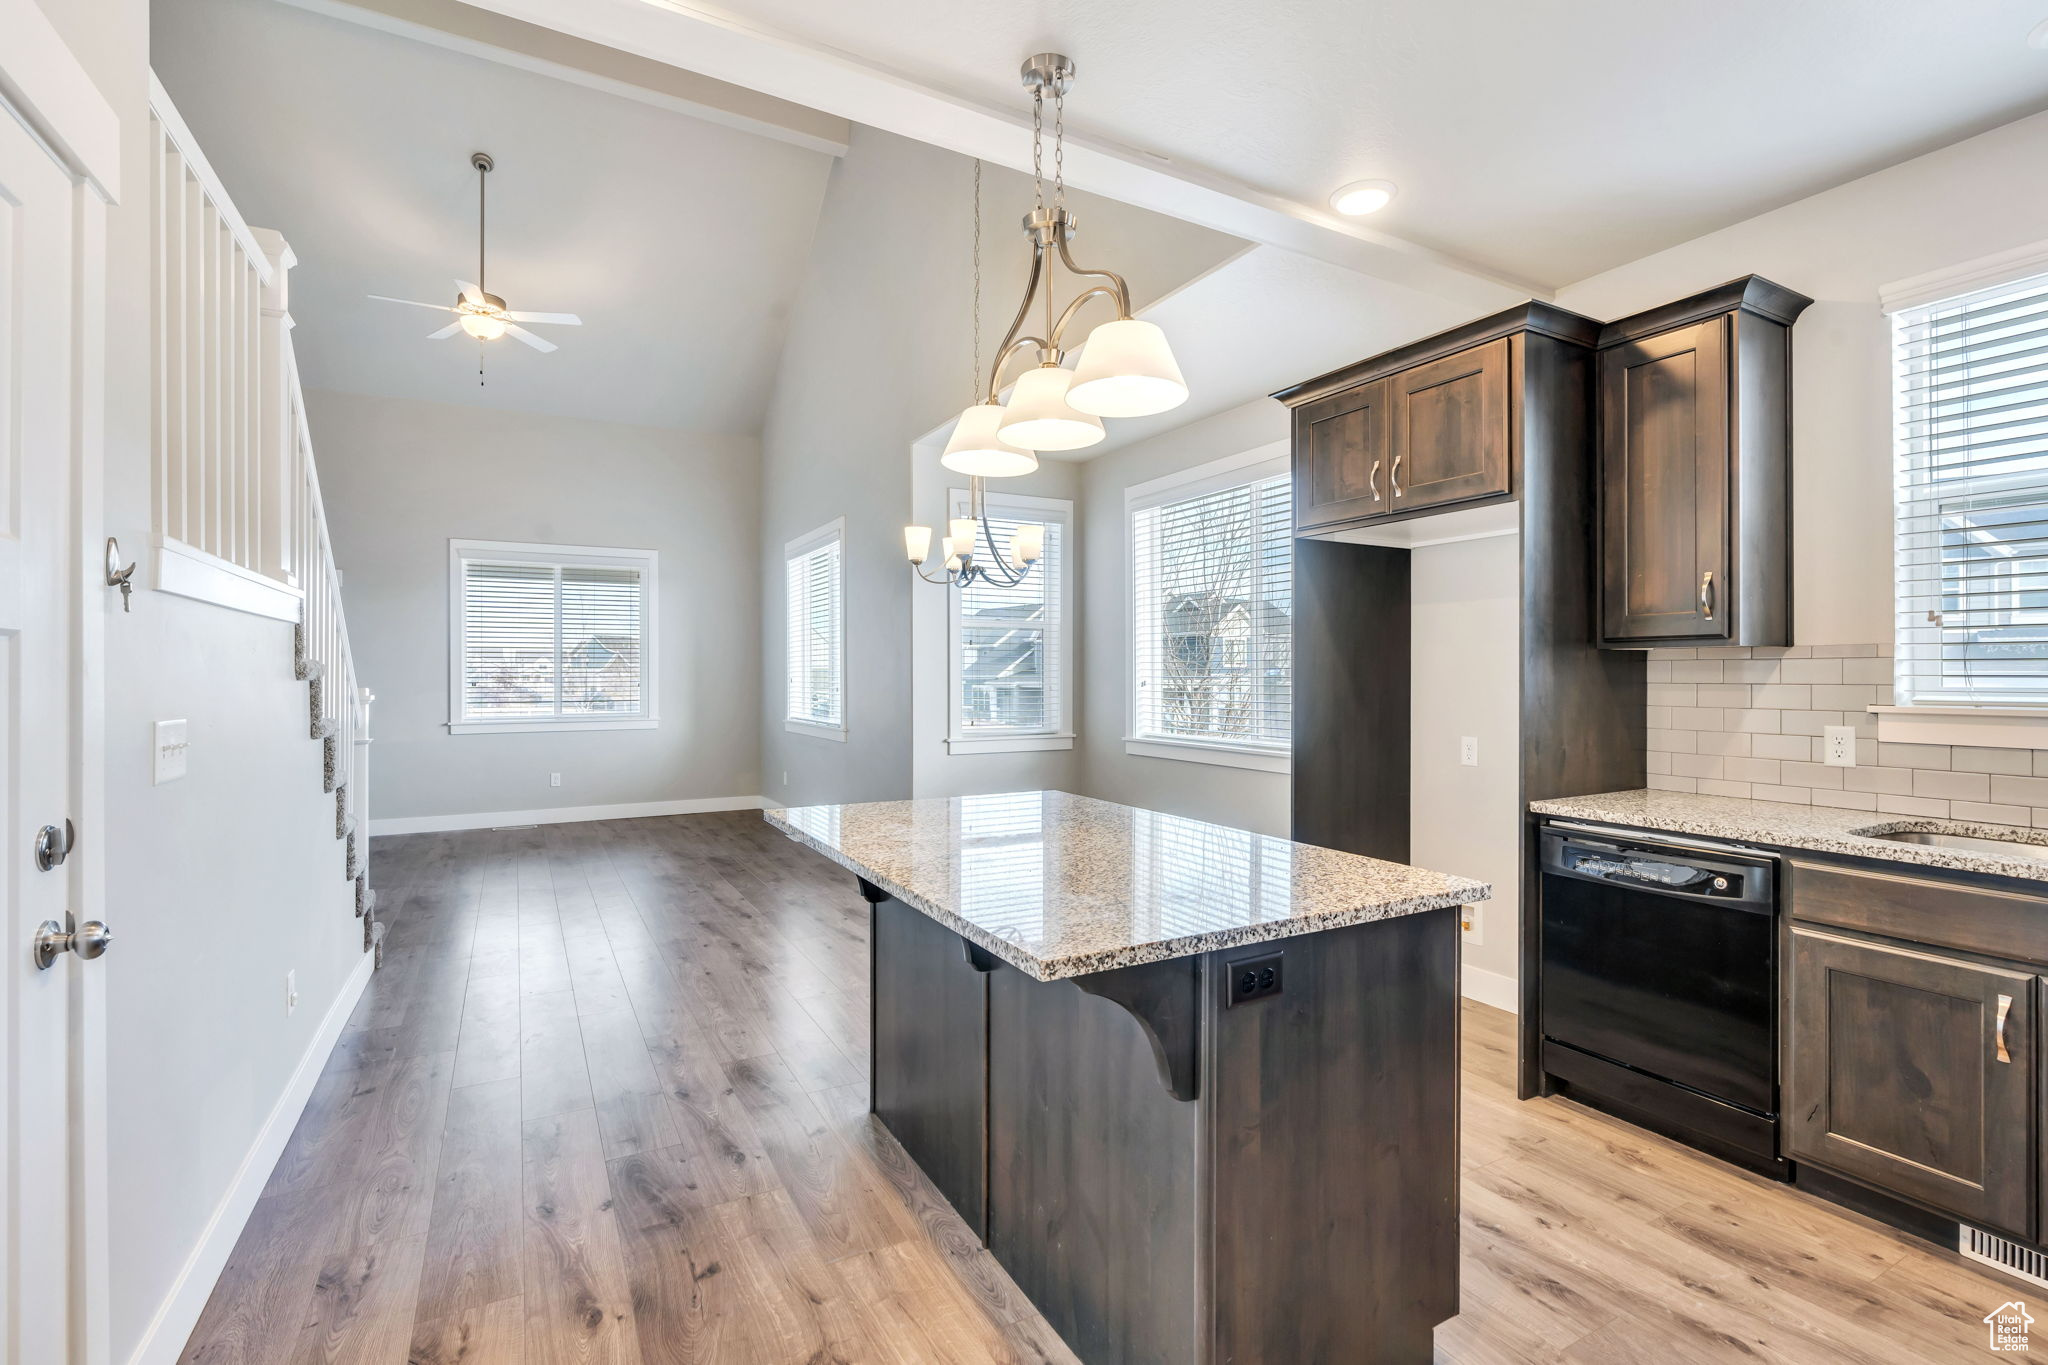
{"type": "Point", "coordinates": [1341, 472]}
{"type": "Point", "coordinates": [1913, 1072]}
{"type": "Point", "coordinates": [1450, 430]}
{"type": "Point", "coordinates": [1695, 469]}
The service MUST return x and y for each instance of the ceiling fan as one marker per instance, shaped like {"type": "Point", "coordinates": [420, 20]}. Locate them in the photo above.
{"type": "Point", "coordinates": [481, 314]}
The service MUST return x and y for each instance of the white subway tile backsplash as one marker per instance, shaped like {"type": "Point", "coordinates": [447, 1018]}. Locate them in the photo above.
{"type": "Point", "coordinates": [1951, 786]}
{"type": "Point", "coordinates": [1782, 695]}
{"type": "Point", "coordinates": [1730, 721]}
{"type": "Point", "coordinates": [1810, 671]}
{"type": "Point", "coordinates": [1782, 746]}
{"type": "Point", "coordinates": [1997, 815]}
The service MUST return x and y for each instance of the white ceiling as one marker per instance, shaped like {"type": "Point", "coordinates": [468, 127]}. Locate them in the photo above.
{"type": "Point", "coordinates": [680, 242]}
{"type": "Point", "coordinates": [1542, 141]}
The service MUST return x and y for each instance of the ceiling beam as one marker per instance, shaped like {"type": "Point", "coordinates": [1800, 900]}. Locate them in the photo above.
{"type": "Point", "coordinates": [547, 51]}
{"type": "Point", "coordinates": [729, 50]}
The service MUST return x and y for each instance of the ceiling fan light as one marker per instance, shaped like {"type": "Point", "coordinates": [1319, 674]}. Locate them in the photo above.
{"type": "Point", "coordinates": [1040, 417]}
{"type": "Point", "coordinates": [483, 326]}
{"type": "Point", "coordinates": [975, 448]}
{"type": "Point", "coordinates": [1127, 370]}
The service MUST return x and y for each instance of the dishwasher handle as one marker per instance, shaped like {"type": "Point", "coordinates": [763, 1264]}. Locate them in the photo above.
{"type": "Point", "coordinates": [1681, 874]}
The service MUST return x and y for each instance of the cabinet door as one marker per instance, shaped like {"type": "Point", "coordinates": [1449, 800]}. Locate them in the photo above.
{"type": "Point", "coordinates": [1914, 1073]}
{"type": "Point", "coordinates": [1664, 485]}
{"type": "Point", "coordinates": [1341, 457]}
{"type": "Point", "coordinates": [1451, 439]}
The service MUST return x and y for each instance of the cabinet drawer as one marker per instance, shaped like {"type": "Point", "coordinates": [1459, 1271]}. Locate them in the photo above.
{"type": "Point", "coordinates": [1921, 909]}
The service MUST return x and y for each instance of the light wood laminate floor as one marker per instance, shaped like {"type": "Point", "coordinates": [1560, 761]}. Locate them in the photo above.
{"type": "Point", "coordinates": [606, 1104]}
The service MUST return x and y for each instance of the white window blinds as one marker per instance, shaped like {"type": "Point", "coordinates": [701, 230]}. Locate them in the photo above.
{"type": "Point", "coordinates": [816, 655]}
{"type": "Point", "coordinates": [1972, 498]}
{"type": "Point", "coordinates": [551, 634]}
{"type": "Point", "coordinates": [1212, 577]}
{"type": "Point", "coordinates": [1011, 666]}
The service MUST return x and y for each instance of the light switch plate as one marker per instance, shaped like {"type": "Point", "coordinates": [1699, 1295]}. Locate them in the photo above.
{"type": "Point", "coordinates": [167, 762]}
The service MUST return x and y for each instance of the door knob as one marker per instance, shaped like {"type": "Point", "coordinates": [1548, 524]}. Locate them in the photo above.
{"type": "Point", "coordinates": [90, 941]}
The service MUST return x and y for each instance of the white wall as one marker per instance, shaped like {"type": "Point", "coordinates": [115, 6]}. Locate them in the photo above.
{"type": "Point", "coordinates": [218, 883]}
{"type": "Point", "coordinates": [1464, 633]}
{"type": "Point", "coordinates": [1232, 796]}
{"type": "Point", "coordinates": [1973, 199]}
{"type": "Point", "coordinates": [403, 477]}
{"type": "Point", "coordinates": [878, 355]}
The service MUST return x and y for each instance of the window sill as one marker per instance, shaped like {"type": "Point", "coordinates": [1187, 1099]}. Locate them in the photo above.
{"type": "Point", "coordinates": [1988, 727]}
{"type": "Point", "coordinates": [528, 727]}
{"type": "Point", "coordinates": [835, 733]}
{"type": "Point", "coordinates": [1258, 760]}
{"type": "Point", "coordinates": [1007, 744]}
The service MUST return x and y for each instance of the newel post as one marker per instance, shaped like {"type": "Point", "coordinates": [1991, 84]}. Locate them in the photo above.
{"type": "Point", "coordinates": [277, 463]}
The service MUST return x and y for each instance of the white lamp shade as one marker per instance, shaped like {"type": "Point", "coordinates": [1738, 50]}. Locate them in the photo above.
{"type": "Point", "coordinates": [1040, 417]}
{"type": "Point", "coordinates": [917, 543]}
{"type": "Point", "coordinates": [1027, 543]}
{"type": "Point", "coordinates": [483, 326]}
{"type": "Point", "coordinates": [962, 529]}
{"type": "Point", "coordinates": [1127, 370]}
{"type": "Point", "coordinates": [976, 449]}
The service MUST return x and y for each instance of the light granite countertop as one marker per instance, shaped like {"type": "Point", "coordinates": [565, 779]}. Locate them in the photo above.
{"type": "Point", "coordinates": [1058, 885]}
{"type": "Point", "coordinates": [1821, 829]}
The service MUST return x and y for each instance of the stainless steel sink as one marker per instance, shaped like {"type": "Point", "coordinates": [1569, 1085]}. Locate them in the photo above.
{"type": "Point", "coordinates": [2012, 848]}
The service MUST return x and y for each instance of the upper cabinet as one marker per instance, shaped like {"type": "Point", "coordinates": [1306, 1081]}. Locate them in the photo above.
{"type": "Point", "coordinates": [1695, 469]}
{"type": "Point", "coordinates": [1432, 427]}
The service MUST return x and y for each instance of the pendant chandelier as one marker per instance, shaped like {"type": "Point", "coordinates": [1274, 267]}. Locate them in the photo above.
{"type": "Point", "coordinates": [1125, 368]}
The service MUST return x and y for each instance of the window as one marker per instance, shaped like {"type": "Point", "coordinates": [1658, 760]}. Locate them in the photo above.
{"type": "Point", "coordinates": [1212, 572]}
{"type": "Point", "coordinates": [550, 637]}
{"type": "Point", "coordinates": [1012, 648]}
{"type": "Point", "coordinates": [816, 661]}
{"type": "Point", "coordinates": [1971, 439]}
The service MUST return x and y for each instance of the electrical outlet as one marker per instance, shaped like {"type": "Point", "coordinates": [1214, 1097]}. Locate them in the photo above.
{"type": "Point", "coordinates": [291, 992]}
{"type": "Point", "coordinates": [554, 779]}
{"type": "Point", "coordinates": [1474, 923]}
{"type": "Point", "coordinates": [1255, 978]}
{"type": "Point", "coordinates": [1839, 743]}
{"type": "Point", "coordinates": [1468, 751]}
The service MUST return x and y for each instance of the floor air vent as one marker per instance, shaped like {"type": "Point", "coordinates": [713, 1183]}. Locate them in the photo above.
{"type": "Point", "coordinates": [2005, 1255]}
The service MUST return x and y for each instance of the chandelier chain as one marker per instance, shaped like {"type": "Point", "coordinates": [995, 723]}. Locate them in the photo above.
{"type": "Point", "coordinates": [1059, 148]}
{"type": "Point", "coordinates": [1038, 147]}
{"type": "Point", "coordinates": [974, 321]}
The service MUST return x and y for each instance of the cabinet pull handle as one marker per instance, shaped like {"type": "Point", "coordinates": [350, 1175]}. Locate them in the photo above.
{"type": "Point", "coordinates": [1394, 477]}
{"type": "Point", "coordinates": [2004, 1008]}
{"type": "Point", "coordinates": [1707, 595]}
{"type": "Point", "coordinates": [1372, 481]}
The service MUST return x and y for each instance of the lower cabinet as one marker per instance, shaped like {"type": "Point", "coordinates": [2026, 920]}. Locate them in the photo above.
{"type": "Point", "coordinates": [1913, 1072]}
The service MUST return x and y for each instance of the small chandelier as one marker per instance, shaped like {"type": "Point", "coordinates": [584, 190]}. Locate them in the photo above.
{"type": "Point", "coordinates": [1125, 369]}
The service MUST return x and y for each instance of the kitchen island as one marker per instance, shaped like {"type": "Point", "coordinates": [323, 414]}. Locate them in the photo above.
{"type": "Point", "coordinates": [1195, 1088]}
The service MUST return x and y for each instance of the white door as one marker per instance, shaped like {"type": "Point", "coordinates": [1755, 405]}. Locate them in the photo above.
{"type": "Point", "coordinates": [52, 254]}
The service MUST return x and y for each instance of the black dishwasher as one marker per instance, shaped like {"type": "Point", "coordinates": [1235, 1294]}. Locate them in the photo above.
{"type": "Point", "coordinates": [1660, 988]}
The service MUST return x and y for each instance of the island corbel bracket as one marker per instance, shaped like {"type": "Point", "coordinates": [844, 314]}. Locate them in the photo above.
{"type": "Point", "coordinates": [1165, 999]}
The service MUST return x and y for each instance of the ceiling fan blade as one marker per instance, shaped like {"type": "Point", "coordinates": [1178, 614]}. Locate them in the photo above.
{"type": "Point", "coordinates": [470, 292]}
{"type": "Point", "coordinates": [514, 329]}
{"type": "Point", "coordinates": [386, 298]}
{"type": "Point", "coordinates": [558, 319]}
{"type": "Point", "coordinates": [450, 330]}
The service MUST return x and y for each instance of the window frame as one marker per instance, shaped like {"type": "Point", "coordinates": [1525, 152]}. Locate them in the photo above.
{"type": "Point", "coordinates": [1248, 467]}
{"type": "Point", "coordinates": [1017, 739]}
{"type": "Point", "coordinates": [832, 532]}
{"type": "Point", "coordinates": [648, 562]}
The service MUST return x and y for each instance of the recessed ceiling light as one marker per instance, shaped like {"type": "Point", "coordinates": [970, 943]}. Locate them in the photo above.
{"type": "Point", "coordinates": [1361, 197]}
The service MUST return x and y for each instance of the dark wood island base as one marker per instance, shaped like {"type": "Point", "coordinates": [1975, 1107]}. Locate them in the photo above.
{"type": "Point", "coordinates": [1173, 1178]}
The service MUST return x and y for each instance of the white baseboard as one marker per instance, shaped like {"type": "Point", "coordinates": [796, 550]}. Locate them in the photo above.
{"type": "Point", "coordinates": [560, 815]}
{"type": "Point", "coordinates": [179, 1313]}
{"type": "Point", "coordinates": [1493, 988]}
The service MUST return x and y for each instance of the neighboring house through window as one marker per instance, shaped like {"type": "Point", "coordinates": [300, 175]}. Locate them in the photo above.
{"type": "Point", "coordinates": [815, 661]}
{"type": "Point", "coordinates": [1012, 648]}
{"type": "Point", "coordinates": [550, 637]}
{"type": "Point", "coordinates": [1212, 572]}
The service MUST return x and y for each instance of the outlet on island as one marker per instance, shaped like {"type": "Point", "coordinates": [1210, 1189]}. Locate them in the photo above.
{"type": "Point", "coordinates": [1255, 978]}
